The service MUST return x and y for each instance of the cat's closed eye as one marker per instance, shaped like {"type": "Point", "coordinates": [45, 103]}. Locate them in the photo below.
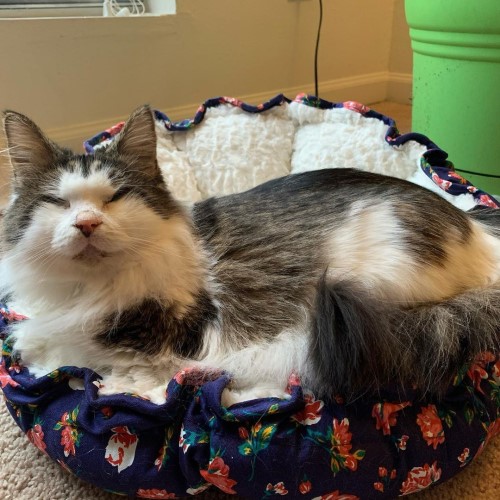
{"type": "Point", "coordinates": [120, 193]}
{"type": "Point", "coordinates": [54, 200]}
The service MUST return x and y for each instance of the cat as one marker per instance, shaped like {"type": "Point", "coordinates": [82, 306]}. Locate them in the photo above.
{"type": "Point", "coordinates": [348, 279]}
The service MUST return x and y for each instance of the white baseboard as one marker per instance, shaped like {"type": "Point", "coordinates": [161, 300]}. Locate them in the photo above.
{"type": "Point", "coordinates": [367, 88]}
{"type": "Point", "coordinates": [399, 88]}
{"type": "Point", "coordinates": [362, 88]}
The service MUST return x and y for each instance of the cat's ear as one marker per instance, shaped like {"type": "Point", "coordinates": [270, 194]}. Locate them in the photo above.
{"type": "Point", "coordinates": [28, 148]}
{"type": "Point", "coordinates": [137, 141]}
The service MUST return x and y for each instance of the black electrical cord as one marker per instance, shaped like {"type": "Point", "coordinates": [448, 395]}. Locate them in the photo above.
{"type": "Point", "coordinates": [317, 49]}
{"type": "Point", "coordinates": [478, 173]}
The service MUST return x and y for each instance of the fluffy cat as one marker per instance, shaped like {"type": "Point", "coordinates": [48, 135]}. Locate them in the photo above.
{"type": "Point", "coordinates": [346, 278]}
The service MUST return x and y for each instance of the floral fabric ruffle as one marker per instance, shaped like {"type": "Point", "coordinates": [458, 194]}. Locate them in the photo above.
{"type": "Point", "coordinates": [395, 444]}
{"type": "Point", "coordinates": [434, 161]}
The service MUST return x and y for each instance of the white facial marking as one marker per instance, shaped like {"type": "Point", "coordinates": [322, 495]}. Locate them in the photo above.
{"type": "Point", "coordinates": [96, 188]}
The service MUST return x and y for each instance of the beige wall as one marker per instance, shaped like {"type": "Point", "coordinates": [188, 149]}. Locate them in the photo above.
{"type": "Point", "coordinates": [401, 57]}
{"type": "Point", "coordinates": [75, 76]}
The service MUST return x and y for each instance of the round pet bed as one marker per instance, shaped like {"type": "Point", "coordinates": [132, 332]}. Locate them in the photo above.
{"type": "Point", "coordinates": [391, 444]}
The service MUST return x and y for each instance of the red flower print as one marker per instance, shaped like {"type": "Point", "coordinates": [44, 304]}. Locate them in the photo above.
{"type": "Point", "coordinates": [486, 200]}
{"type": "Point", "coordinates": [293, 381]}
{"type": "Point", "coordinates": [152, 493]}
{"type": "Point", "coordinates": [350, 462]}
{"type": "Point", "coordinates": [120, 451]}
{"type": "Point", "coordinates": [463, 458]}
{"type": "Point", "coordinates": [5, 378]}
{"type": "Point", "coordinates": [496, 369]}
{"type": "Point", "coordinates": [385, 479]}
{"type": "Point", "coordinates": [68, 439]}
{"type": "Point", "coordinates": [194, 376]}
{"type": "Point", "coordinates": [385, 415]}
{"type": "Point", "coordinates": [66, 419]}
{"type": "Point", "coordinates": [456, 176]}
{"type": "Point", "coordinates": [342, 436]}
{"type": "Point", "coordinates": [162, 457]}
{"type": "Point", "coordinates": [305, 487]}
{"type": "Point", "coordinates": [183, 442]}
{"type": "Point", "coordinates": [336, 495]}
{"type": "Point", "coordinates": [431, 426]}
{"type": "Point", "coordinates": [277, 489]}
{"type": "Point", "coordinates": [477, 372]}
{"type": "Point", "coordinates": [441, 182]}
{"type": "Point", "coordinates": [420, 478]}
{"type": "Point", "coordinates": [115, 128]}
{"type": "Point", "coordinates": [401, 442]}
{"type": "Point", "coordinates": [231, 100]}
{"type": "Point", "coordinates": [243, 432]}
{"type": "Point", "coordinates": [35, 435]}
{"type": "Point", "coordinates": [218, 475]}
{"type": "Point", "coordinates": [341, 445]}
{"type": "Point", "coordinates": [356, 106]}
{"type": "Point", "coordinates": [11, 315]}
{"type": "Point", "coordinates": [311, 413]}
{"type": "Point", "coordinates": [280, 489]}
{"type": "Point", "coordinates": [15, 367]}
{"type": "Point", "coordinates": [123, 435]}
{"type": "Point", "coordinates": [107, 411]}
{"type": "Point", "coordinates": [472, 189]}
{"type": "Point", "coordinates": [180, 377]}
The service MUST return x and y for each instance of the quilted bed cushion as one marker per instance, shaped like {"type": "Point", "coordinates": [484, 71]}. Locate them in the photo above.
{"type": "Point", "coordinates": [393, 444]}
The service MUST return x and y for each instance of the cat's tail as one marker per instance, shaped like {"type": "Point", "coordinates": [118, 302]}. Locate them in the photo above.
{"type": "Point", "coordinates": [359, 344]}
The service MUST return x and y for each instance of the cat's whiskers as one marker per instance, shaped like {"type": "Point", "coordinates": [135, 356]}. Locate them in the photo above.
{"type": "Point", "coordinates": [144, 244]}
{"type": "Point", "coordinates": [138, 252]}
{"type": "Point", "coordinates": [39, 250]}
{"type": "Point", "coordinates": [41, 257]}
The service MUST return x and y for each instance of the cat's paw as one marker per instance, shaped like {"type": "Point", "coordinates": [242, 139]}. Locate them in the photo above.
{"type": "Point", "coordinates": [233, 396]}
{"type": "Point", "coordinates": [34, 356]}
{"type": "Point", "coordinates": [157, 395]}
{"type": "Point", "coordinates": [112, 385]}
{"type": "Point", "coordinates": [39, 371]}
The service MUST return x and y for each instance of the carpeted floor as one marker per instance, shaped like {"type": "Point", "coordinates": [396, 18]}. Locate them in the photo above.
{"type": "Point", "coordinates": [27, 474]}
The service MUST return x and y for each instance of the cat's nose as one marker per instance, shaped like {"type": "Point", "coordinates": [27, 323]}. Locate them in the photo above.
{"type": "Point", "coordinates": [87, 222]}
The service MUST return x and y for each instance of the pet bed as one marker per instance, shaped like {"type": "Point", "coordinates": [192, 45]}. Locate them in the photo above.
{"type": "Point", "coordinates": [381, 446]}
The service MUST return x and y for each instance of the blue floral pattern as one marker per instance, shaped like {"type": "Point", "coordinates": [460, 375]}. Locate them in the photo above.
{"type": "Point", "coordinates": [391, 445]}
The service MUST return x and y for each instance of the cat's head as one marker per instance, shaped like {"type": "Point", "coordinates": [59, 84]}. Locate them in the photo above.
{"type": "Point", "coordinates": [84, 212]}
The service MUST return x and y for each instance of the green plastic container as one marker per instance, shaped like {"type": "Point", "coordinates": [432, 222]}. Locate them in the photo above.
{"type": "Point", "coordinates": [456, 82]}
